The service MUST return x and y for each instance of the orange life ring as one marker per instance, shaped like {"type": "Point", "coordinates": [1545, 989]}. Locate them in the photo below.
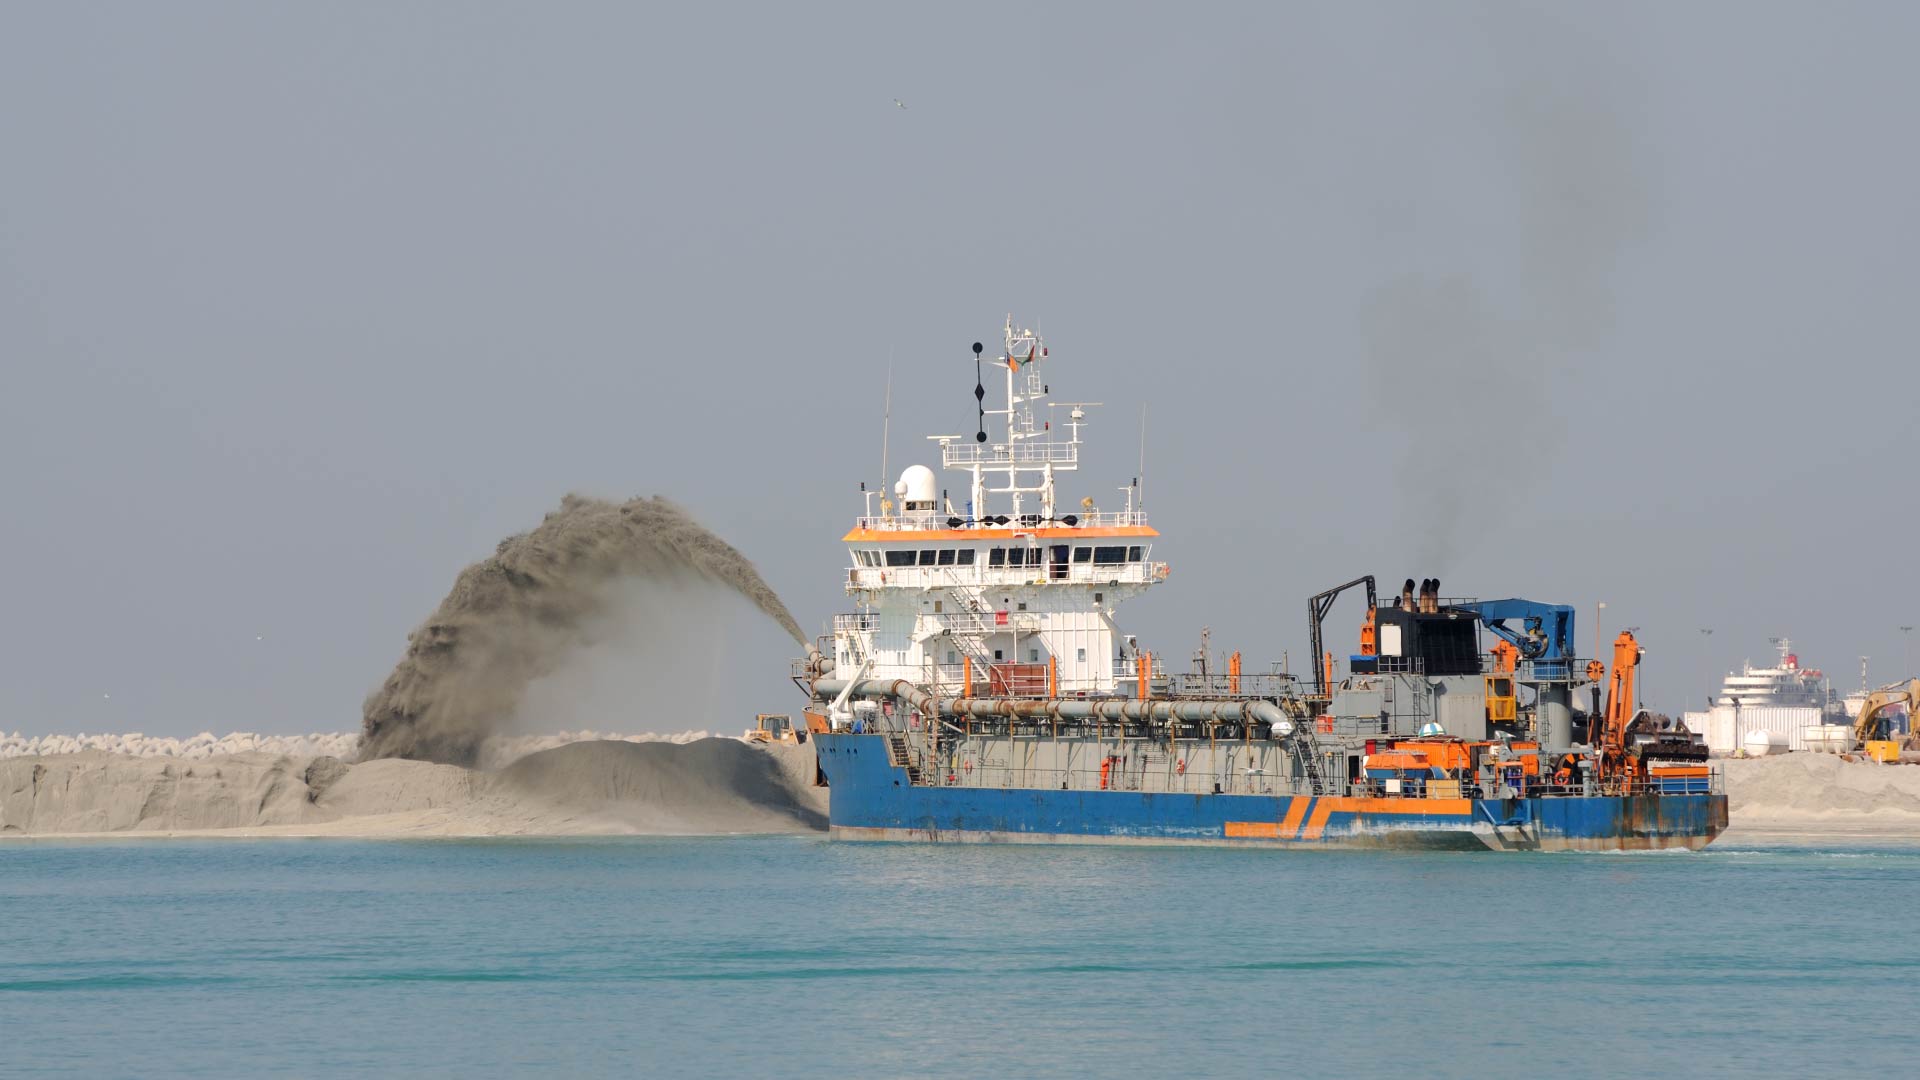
{"type": "Point", "coordinates": [1180, 767]}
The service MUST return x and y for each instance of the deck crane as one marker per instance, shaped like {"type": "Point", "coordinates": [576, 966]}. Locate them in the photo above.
{"type": "Point", "coordinates": [1541, 634]}
{"type": "Point", "coordinates": [1545, 634]}
{"type": "Point", "coordinates": [1317, 607]}
{"type": "Point", "coordinates": [1629, 737]}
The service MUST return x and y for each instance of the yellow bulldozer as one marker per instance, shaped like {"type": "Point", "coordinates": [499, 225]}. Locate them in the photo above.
{"type": "Point", "coordinates": [772, 728]}
{"type": "Point", "coordinates": [1872, 730]}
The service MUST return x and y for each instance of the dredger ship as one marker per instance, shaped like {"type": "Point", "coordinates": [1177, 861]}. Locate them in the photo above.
{"type": "Point", "coordinates": [982, 690]}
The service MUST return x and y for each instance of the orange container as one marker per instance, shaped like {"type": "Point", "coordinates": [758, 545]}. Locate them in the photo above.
{"type": "Point", "coordinates": [1443, 754]}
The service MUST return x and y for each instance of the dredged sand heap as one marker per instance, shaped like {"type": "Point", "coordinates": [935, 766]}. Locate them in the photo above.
{"type": "Point", "coordinates": [583, 788]}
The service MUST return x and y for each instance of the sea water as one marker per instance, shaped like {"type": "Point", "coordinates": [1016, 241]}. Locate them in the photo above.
{"type": "Point", "coordinates": [794, 956]}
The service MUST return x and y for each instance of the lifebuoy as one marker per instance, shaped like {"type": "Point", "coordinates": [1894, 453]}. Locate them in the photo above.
{"type": "Point", "coordinates": [967, 766]}
{"type": "Point", "coordinates": [1180, 767]}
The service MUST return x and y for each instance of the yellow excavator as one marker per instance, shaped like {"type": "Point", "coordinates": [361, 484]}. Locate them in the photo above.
{"type": "Point", "coordinates": [1870, 730]}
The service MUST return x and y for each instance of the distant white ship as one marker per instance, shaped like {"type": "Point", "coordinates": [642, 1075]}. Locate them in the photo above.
{"type": "Point", "coordinates": [1769, 709]}
{"type": "Point", "coordinates": [1786, 684]}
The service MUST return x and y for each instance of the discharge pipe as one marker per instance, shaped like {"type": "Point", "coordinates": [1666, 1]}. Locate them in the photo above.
{"type": "Point", "coordinates": [818, 663]}
{"type": "Point", "coordinates": [1195, 711]}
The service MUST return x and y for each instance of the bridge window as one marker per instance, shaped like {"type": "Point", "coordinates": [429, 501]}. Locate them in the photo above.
{"type": "Point", "coordinates": [1082, 554]}
{"type": "Point", "coordinates": [966, 556]}
{"type": "Point", "coordinates": [1135, 554]}
{"type": "Point", "coordinates": [899, 558]}
{"type": "Point", "coordinates": [1109, 554]}
{"type": "Point", "coordinates": [997, 557]}
{"type": "Point", "coordinates": [926, 557]}
{"type": "Point", "coordinates": [946, 556]}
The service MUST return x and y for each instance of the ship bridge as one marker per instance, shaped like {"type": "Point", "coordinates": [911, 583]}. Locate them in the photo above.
{"type": "Point", "coordinates": [1006, 590]}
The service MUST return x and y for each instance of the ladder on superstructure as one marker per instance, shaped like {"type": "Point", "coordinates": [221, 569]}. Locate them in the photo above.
{"type": "Point", "coordinates": [1309, 754]}
{"type": "Point", "coordinates": [972, 647]}
{"type": "Point", "coordinates": [901, 757]}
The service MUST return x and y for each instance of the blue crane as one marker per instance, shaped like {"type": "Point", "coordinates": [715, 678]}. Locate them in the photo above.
{"type": "Point", "coordinates": [1544, 636]}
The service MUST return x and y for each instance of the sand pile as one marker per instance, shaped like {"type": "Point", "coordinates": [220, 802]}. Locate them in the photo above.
{"type": "Point", "coordinates": [543, 597]}
{"type": "Point", "coordinates": [499, 751]}
{"type": "Point", "coordinates": [494, 752]}
{"type": "Point", "coordinates": [1789, 787]}
{"type": "Point", "coordinates": [341, 744]}
{"type": "Point", "coordinates": [716, 785]}
{"type": "Point", "coordinates": [585, 788]}
{"type": "Point", "coordinates": [100, 792]}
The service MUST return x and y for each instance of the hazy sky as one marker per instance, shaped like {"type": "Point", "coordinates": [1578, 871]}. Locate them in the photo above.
{"type": "Point", "coordinates": [303, 307]}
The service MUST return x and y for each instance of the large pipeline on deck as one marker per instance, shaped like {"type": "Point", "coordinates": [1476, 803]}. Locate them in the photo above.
{"type": "Point", "coordinates": [818, 664]}
{"type": "Point", "coordinates": [1196, 711]}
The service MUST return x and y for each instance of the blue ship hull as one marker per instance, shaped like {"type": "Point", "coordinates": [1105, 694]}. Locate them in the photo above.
{"type": "Point", "coordinates": [872, 799]}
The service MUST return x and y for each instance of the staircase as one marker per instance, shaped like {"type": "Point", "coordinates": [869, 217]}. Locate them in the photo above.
{"type": "Point", "coordinates": [900, 757]}
{"type": "Point", "coordinates": [1308, 752]}
{"type": "Point", "coordinates": [973, 647]}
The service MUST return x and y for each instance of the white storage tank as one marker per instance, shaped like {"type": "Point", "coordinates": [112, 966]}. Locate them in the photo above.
{"type": "Point", "coordinates": [1762, 743]}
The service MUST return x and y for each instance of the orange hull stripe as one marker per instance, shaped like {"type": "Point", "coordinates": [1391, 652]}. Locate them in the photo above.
{"type": "Point", "coordinates": [1326, 807]}
{"type": "Point", "coordinates": [1245, 829]}
{"type": "Point", "coordinates": [1317, 824]}
{"type": "Point", "coordinates": [1296, 811]}
{"type": "Point", "coordinates": [996, 536]}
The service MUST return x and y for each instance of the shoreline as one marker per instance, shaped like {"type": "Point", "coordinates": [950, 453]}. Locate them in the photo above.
{"type": "Point", "coordinates": [709, 787]}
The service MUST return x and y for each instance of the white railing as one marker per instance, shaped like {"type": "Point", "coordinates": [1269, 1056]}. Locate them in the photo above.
{"type": "Point", "coordinates": [919, 520]}
{"type": "Point", "coordinates": [965, 455]}
{"type": "Point", "coordinates": [992, 622]}
{"type": "Point", "coordinates": [933, 577]}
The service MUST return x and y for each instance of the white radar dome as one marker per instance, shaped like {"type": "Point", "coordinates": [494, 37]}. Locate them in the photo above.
{"type": "Point", "coordinates": [916, 487]}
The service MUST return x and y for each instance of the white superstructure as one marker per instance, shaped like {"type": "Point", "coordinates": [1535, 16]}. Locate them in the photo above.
{"type": "Point", "coordinates": [1007, 592]}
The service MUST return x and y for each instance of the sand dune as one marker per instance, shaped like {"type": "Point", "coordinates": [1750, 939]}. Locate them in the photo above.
{"type": "Point", "coordinates": [584, 788]}
{"type": "Point", "coordinates": [1821, 786]}
{"type": "Point", "coordinates": [494, 751]}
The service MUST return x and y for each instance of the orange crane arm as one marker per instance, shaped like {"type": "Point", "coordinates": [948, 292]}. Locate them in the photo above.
{"type": "Point", "coordinates": [1620, 698]}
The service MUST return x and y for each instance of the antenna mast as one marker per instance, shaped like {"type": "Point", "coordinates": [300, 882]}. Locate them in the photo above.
{"type": "Point", "coordinates": [886, 427]}
{"type": "Point", "coordinates": [1143, 455]}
